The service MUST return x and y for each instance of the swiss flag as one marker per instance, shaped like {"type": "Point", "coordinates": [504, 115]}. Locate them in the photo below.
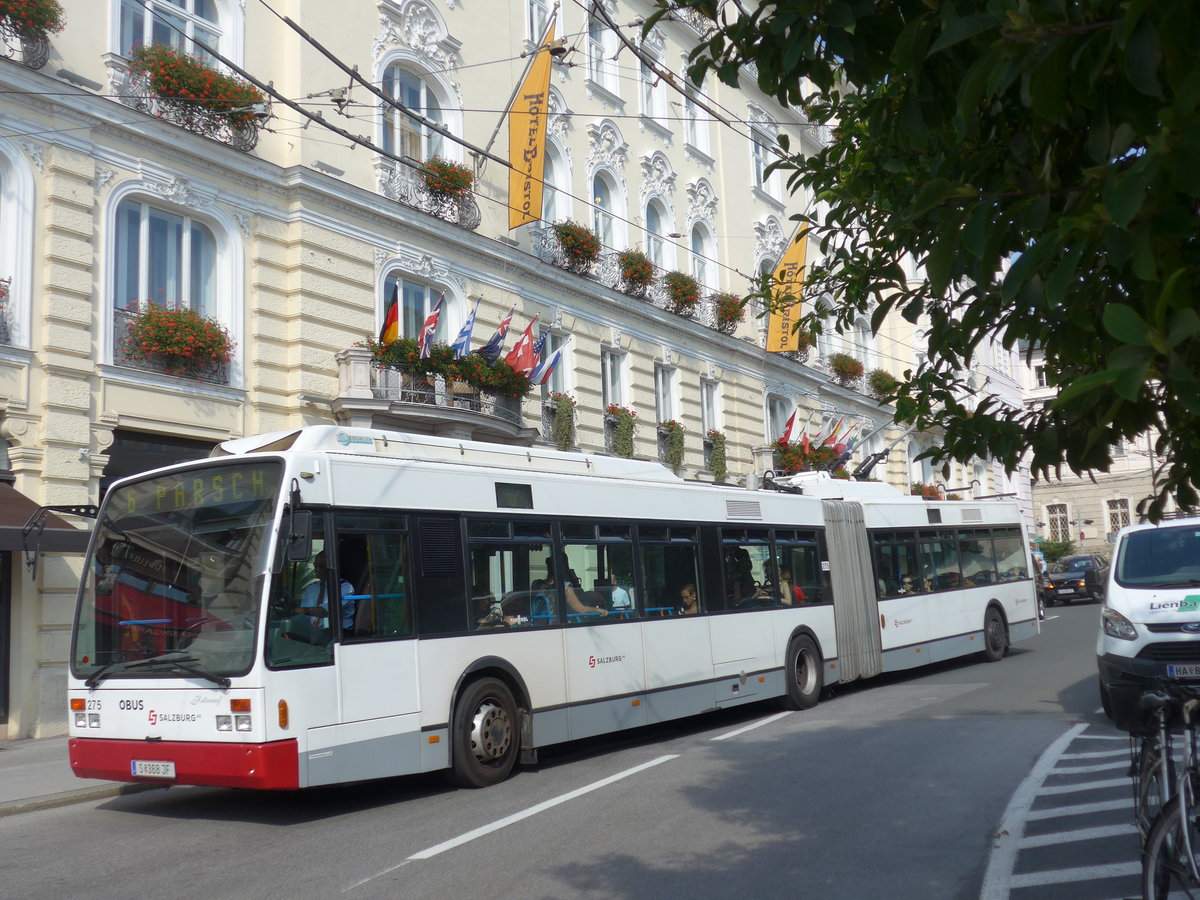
{"type": "Point", "coordinates": [521, 357]}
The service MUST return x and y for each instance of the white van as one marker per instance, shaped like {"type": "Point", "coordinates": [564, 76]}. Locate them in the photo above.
{"type": "Point", "coordinates": [1150, 622]}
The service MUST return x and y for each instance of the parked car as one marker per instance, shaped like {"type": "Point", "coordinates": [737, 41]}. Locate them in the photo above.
{"type": "Point", "coordinates": [1081, 577]}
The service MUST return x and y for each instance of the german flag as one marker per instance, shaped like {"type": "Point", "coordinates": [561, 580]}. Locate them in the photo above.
{"type": "Point", "coordinates": [391, 319]}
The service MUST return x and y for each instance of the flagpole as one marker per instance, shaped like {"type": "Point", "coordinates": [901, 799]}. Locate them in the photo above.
{"type": "Point", "coordinates": [532, 56]}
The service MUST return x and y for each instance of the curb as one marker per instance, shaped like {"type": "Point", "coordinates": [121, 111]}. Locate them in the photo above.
{"type": "Point", "coordinates": [67, 798]}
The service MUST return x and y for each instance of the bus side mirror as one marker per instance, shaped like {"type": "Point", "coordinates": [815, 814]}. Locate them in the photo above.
{"type": "Point", "coordinates": [298, 546]}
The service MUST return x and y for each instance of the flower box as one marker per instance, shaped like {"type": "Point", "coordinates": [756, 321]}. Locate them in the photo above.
{"type": "Point", "coordinates": [683, 292]}
{"type": "Point", "coordinates": [637, 272]}
{"type": "Point", "coordinates": [182, 341]}
{"type": "Point", "coordinates": [446, 180]}
{"type": "Point", "coordinates": [579, 244]}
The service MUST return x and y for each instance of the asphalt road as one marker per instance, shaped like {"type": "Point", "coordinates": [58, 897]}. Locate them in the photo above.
{"type": "Point", "coordinates": [894, 788]}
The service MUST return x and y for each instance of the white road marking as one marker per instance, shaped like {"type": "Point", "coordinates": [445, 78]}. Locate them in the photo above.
{"type": "Point", "coordinates": [759, 724]}
{"type": "Point", "coordinates": [1083, 873]}
{"type": "Point", "coordinates": [1079, 834]}
{"type": "Point", "coordinates": [514, 818]}
{"type": "Point", "coordinates": [1105, 737]}
{"type": "Point", "coordinates": [1098, 754]}
{"type": "Point", "coordinates": [1090, 786]}
{"type": "Point", "coordinates": [998, 878]}
{"type": "Point", "coordinates": [1099, 767]}
{"type": "Point", "coordinates": [1080, 809]}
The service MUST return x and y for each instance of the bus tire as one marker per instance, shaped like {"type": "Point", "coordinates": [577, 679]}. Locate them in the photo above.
{"type": "Point", "coordinates": [995, 635]}
{"type": "Point", "coordinates": [485, 734]}
{"type": "Point", "coordinates": [803, 673]}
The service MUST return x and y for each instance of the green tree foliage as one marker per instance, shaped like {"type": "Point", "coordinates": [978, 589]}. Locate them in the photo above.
{"type": "Point", "coordinates": [1039, 161]}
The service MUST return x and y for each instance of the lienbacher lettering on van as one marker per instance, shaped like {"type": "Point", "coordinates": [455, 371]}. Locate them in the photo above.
{"type": "Point", "coordinates": [1187, 603]}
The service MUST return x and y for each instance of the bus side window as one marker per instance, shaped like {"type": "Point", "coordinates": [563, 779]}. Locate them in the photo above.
{"type": "Point", "coordinates": [380, 582]}
{"type": "Point", "coordinates": [669, 564]}
{"type": "Point", "coordinates": [297, 636]}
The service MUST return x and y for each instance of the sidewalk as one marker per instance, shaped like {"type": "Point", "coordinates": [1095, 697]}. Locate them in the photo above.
{"type": "Point", "coordinates": [35, 774]}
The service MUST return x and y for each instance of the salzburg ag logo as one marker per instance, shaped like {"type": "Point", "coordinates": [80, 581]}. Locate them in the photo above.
{"type": "Point", "coordinates": [153, 717]}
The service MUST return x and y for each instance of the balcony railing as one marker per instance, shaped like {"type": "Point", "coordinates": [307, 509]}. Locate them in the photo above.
{"type": "Point", "coordinates": [374, 396]}
{"type": "Point", "coordinates": [404, 185]}
{"type": "Point", "coordinates": [213, 373]}
{"type": "Point", "coordinates": [34, 50]}
{"type": "Point", "coordinates": [419, 389]}
{"type": "Point", "coordinates": [5, 334]}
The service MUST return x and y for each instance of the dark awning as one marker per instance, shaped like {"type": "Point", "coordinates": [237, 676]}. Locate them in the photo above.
{"type": "Point", "coordinates": [58, 536]}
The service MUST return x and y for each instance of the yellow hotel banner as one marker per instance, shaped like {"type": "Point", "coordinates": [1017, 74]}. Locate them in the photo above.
{"type": "Point", "coordinates": [788, 282]}
{"type": "Point", "coordinates": [527, 140]}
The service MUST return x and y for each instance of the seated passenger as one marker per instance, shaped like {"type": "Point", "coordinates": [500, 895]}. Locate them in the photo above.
{"type": "Point", "coordinates": [789, 593]}
{"type": "Point", "coordinates": [689, 603]}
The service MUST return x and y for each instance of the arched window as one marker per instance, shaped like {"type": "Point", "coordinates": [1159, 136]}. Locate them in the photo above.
{"type": "Point", "coordinates": [654, 232]}
{"type": "Point", "coordinates": [416, 302]}
{"type": "Point", "coordinates": [604, 210]}
{"type": "Point", "coordinates": [17, 195]}
{"type": "Point", "coordinates": [164, 258]}
{"type": "Point", "coordinates": [602, 48]}
{"type": "Point", "coordinates": [156, 21]}
{"type": "Point", "coordinates": [402, 134]}
{"type": "Point", "coordinates": [556, 200]}
{"type": "Point", "coordinates": [704, 268]}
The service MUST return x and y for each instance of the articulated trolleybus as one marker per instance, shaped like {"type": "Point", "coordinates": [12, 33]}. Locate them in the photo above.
{"type": "Point", "coordinates": [336, 604]}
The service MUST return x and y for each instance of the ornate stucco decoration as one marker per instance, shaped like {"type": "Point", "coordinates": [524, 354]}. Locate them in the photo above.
{"type": "Point", "coordinates": [424, 265]}
{"type": "Point", "coordinates": [418, 27]}
{"type": "Point", "coordinates": [559, 121]}
{"type": "Point", "coordinates": [702, 202]}
{"type": "Point", "coordinates": [103, 177]}
{"type": "Point", "coordinates": [606, 147]}
{"type": "Point", "coordinates": [178, 190]}
{"type": "Point", "coordinates": [769, 240]}
{"type": "Point", "coordinates": [657, 177]}
{"type": "Point", "coordinates": [36, 153]}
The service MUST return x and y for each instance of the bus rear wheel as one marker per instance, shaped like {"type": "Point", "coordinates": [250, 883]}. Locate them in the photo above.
{"type": "Point", "coordinates": [485, 734]}
{"type": "Point", "coordinates": [803, 673]}
{"type": "Point", "coordinates": [995, 635]}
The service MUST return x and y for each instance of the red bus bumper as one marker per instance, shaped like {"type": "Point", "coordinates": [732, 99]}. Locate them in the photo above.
{"type": "Point", "coordinates": [270, 767]}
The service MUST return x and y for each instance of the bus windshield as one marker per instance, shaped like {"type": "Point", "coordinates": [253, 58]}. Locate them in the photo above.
{"type": "Point", "coordinates": [174, 578]}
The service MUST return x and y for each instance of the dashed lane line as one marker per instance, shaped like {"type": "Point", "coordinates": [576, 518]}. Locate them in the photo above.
{"type": "Point", "coordinates": [1098, 767]}
{"type": "Point", "coordinates": [1076, 809]}
{"type": "Point", "coordinates": [1090, 786]}
{"type": "Point", "coordinates": [479, 832]}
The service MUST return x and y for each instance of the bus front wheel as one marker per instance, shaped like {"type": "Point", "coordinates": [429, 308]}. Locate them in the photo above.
{"type": "Point", "coordinates": [803, 673]}
{"type": "Point", "coordinates": [486, 737]}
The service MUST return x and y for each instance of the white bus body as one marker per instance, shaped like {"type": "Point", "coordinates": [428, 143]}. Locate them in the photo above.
{"type": "Point", "coordinates": [196, 658]}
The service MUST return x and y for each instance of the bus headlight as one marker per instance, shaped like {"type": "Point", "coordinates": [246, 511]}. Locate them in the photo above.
{"type": "Point", "coordinates": [81, 720]}
{"type": "Point", "coordinates": [1117, 626]}
{"type": "Point", "coordinates": [241, 723]}
{"type": "Point", "coordinates": [224, 723]}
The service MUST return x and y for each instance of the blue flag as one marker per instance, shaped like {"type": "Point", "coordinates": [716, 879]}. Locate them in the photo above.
{"type": "Point", "coordinates": [492, 349]}
{"type": "Point", "coordinates": [462, 343]}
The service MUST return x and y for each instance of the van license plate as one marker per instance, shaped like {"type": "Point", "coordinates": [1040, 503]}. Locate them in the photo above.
{"type": "Point", "coordinates": [155, 768]}
{"type": "Point", "coordinates": [1190, 671]}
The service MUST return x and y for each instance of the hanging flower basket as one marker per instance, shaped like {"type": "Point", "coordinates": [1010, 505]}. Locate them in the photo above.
{"type": "Point", "coordinates": [563, 429]}
{"type": "Point", "coordinates": [718, 463]}
{"type": "Point", "coordinates": [730, 310]}
{"type": "Point", "coordinates": [183, 341]}
{"type": "Point", "coordinates": [798, 458]}
{"type": "Point", "coordinates": [637, 272]}
{"type": "Point", "coordinates": [182, 79]}
{"type": "Point", "coordinates": [32, 20]}
{"type": "Point", "coordinates": [671, 433]}
{"type": "Point", "coordinates": [846, 370]}
{"type": "Point", "coordinates": [624, 421]}
{"type": "Point", "coordinates": [881, 384]}
{"type": "Point", "coordinates": [683, 291]}
{"type": "Point", "coordinates": [473, 372]}
{"type": "Point", "coordinates": [446, 180]}
{"type": "Point", "coordinates": [925, 491]}
{"type": "Point", "coordinates": [580, 246]}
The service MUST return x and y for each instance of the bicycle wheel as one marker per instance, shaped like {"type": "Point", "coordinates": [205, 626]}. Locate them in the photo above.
{"type": "Point", "coordinates": [1150, 789]}
{"type": "Point", "coordinates": [1165, 873]}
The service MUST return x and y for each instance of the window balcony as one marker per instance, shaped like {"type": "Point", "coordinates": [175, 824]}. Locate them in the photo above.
{"type": "Point", "coordinates": [373, 396]}
{"type": "Point", "coordinates": [404, 184]}
{"type": "Point", "coordinates": [213, 373]}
